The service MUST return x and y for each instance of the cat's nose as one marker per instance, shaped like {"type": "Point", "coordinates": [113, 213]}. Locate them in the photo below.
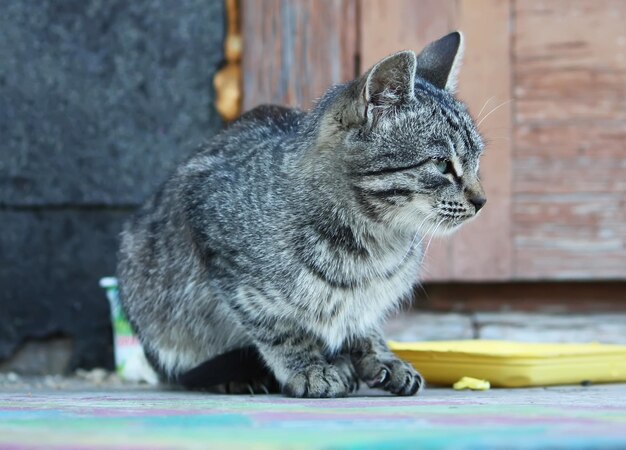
{"type": "Point", "coordinates": [478, 202]}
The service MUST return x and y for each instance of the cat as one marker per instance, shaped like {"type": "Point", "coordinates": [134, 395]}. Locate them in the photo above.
{"type": "Point", "coordinates": [292, 235]}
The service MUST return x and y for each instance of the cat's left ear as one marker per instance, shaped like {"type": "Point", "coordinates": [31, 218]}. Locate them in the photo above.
{"type": "Point", "coordinates": [386, 86]}
{"type": "Point", "coordinates": [391, 81]}
{"type": "Point", "coordinates": [440, 61]}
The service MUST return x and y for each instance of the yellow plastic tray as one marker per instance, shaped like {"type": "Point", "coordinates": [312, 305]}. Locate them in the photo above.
{"type": "Point", "coordinates": [514, 364]}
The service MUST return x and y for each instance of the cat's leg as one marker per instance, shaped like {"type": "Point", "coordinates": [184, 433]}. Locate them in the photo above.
{"type": "Point", "coordinates": [378, 367]}
{"type": "Point", "coordinates": [303, 370]}
{"type": "Point", "coordinates": [295, 357]}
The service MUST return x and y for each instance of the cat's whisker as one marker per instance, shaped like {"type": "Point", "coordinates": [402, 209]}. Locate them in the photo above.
{"type": "Point", "coordinates": [427, 233]}
{"type": "Point", "coordinates": [493, 110]}
{"type": "Point", "coordinates": [421, 289]}
{"type": "Point", "coordinates": [492, 129]}
{"type": "Point", "coordinates": [424, 227]}
{"type": "Point", "coordinates": [484, 106]}
{"type": "Point", "coordinates": [430, 238]}
{"type": "Point", "coordinates": [411, 246]}
{"type": "Point", "coordinates": [433, 236]}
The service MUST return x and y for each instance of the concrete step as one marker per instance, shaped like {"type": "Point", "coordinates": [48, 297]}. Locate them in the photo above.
{"type": "Point", "coordinates": [515, 326]}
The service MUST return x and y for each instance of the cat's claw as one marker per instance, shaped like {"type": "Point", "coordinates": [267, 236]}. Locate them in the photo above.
{"type": "Point", "coordinates": [380, 379]}
{"type": "Point", "coordinates": [395, 376]}
{"type": "Point", "coordinates": [317, 381]}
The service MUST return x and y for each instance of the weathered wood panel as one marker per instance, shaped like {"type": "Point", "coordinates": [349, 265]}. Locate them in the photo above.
{"type": "Point", "coordinates": [569, 182]}
{"type": "Point", "coordinates": [294, 50]}
{"type": "Point", "coordinates": [570, 236]}
{"type": "Point", "coordinates": [567, 158]}
{"type": "Point", "coordinates": [482, 249]}
{"type": "Point", "coordinates": [388, 27]}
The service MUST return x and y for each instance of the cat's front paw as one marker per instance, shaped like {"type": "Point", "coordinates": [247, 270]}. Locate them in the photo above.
{"type": "Point", "coordinates": [345, 366]}
{"type": "Point", "coordinates": [393, 375]}
{"type": "Point", "coordinates": [317, 381]}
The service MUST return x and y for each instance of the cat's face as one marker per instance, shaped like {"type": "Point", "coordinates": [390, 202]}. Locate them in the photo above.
{"type": "Point", "coordinates": [413, 160]}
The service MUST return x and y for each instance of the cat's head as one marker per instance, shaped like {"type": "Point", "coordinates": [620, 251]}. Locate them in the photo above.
{"type": "Point", "coordinates": [410, 149]}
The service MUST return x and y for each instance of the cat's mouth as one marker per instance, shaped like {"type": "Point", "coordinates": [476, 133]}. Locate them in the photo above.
{"type": "Point", "coordinates": [452, 215]}
{"type": "Point", "coordinates": [451, 222]}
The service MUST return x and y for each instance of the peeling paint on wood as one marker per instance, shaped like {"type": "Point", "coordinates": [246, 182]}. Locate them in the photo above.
{"type": "Point", "coordinates": [569, 180]}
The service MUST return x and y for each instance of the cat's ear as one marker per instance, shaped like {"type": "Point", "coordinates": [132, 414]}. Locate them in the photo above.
{"type": "Point", "coordinates": [387, 85]}
{"type": "Point", "coordinates": [391, 81]}
{"type": "Point", "coordinates": [439, 62]}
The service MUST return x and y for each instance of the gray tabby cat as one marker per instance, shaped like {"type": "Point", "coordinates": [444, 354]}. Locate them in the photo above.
{"type": "Point", "coordinates": [296, 233]}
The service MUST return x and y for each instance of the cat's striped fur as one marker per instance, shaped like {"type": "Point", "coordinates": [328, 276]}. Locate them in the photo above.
{"type": "Point", "coordinates": [298, 233]}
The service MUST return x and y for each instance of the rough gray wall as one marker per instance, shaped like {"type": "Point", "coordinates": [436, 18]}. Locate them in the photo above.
{"type": "Point", "coordinates": [99, 99]}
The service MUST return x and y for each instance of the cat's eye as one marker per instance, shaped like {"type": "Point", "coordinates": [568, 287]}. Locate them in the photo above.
{"type": "Point", "coordinates": [443, 165]}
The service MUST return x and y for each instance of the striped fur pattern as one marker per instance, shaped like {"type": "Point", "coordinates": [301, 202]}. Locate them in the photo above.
{"type": "Point", "coordinates": [299, 232]}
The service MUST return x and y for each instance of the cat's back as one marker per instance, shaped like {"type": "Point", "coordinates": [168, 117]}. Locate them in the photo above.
{"type": "Point", "coordinates": [279, 118]}
{"type": "Point", "coordinates": [224, 168]}
{"type": "Point", "coordinates": [237, 188]}
{"type": "Point", "coordinates": [260, 142]}
{"type": "Point", "coordinates": [214, 197]}
{"type": "Point", "coordinates": [260, 129]}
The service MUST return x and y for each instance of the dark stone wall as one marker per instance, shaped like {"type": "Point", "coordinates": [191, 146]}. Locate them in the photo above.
{"type": "Point", "coordinates": [99, 100]}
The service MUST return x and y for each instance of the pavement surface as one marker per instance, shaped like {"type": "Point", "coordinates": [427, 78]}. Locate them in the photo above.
{"type": "Point", "coordinates": [102, 413]}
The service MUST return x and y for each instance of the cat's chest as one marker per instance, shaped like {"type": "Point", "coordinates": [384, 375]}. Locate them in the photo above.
{"type": "Point", "coordinates": [340, 313]}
